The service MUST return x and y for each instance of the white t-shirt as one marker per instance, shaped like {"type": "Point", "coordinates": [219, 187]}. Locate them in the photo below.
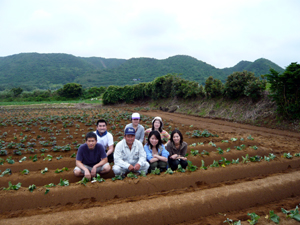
{"type": "Point", "coordinates": [106, 140]}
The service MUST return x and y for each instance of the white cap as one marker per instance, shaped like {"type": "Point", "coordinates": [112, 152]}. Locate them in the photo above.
{"type": "Point", "coordinates": [158, 118]}
{"type": "Point", "coordinates": [135, 116]}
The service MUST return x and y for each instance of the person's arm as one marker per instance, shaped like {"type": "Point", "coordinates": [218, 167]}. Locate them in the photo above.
{"type": "Point", "coordinates": [141, 139]}
{"type": "Point", "coordinates": [110, 150]}
{"type": "Point", "coordinates": [142, 153]}
{"type": "Point", "coordinates": [149, 156]}
{"type": "Point", "coordinates": [118, 160]}
{"type": "Point", "coordinates": [164, 154]}
{"type": "Point", "coordinates": [87, 173]}
{"type": "Point", "coordinates": [146, 133]}
{"type": "Point", "coordinates": [110, 144]}
{"type": "Point", "coordinates": [183, 152]}
{"type": "Point", "coordinates": [101, 163]}
{"type": "Point", "coordinates": [170, 150]}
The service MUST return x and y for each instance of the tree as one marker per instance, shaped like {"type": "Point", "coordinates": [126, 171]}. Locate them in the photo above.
{"type": "Point", "coordinates": [285, 90]}
{"type": "Point", "coordinates": [71, 90]}
{"type": "Point", "coordinates": [213, 87]}
{"type": "Point", "coordinates": [16, 91]}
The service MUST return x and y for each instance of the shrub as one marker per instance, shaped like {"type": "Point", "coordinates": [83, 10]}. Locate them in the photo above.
{"type": "Point", "coordinates": [213, 87]}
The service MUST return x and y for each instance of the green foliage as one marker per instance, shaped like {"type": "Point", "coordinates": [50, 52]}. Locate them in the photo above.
{"type": "Point", "coordinates": [132, 175]}
{"type": "Point", "coordinates": [7, 171]}
{"type": "Point", "coordinates": [169, 171]}
{"type": "Point", "coordinates": [275, 218]}
{"type": "Point", "coordinates": [16, 91]}
{"type": "Point", "coordinates": [294, 214]}
{"type": "Point", "coordinates": [63, 182]}
{"type": "Point", "coordinates": [285, 90]}
{"type": "Point", "coordinates": [240, 84]}
{"type": "Point", "coordinates": [213, 87]}
{"type": "Point", "coordinates": [180, 169]}
{"type": "Point", "coordinates": [44, 170]}
{"type": "Point", "coordinates": [98, 178]}
{"type": "Point", "coordinates": [25, 171]}
{"type": "Point", "coordinates": [254, 218]}
{"type": "Point", "coordinates": [191, 167]}
{"type": "Point", "coordinates": [156, 171]}
{"type": "Point", "coordinates": [83, 181]}
{"type": "Point", "coordinates": [12, 187]}
{"type": "Point", "coordinates": [117, 177]}
{"type": "Point", "coordinates": [71, 90]}
{"type": "Point", "coordinates": [31, 187]}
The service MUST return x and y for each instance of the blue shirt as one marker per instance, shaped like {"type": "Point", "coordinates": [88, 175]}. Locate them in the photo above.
{"type": "Point", "coordinates": [91, 157]}
{"type": "Point", "coordinates": [161, 151]}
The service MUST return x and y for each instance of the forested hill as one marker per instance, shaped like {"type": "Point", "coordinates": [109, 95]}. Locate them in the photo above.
{"type": "Point", "coordinates": [51, 71]}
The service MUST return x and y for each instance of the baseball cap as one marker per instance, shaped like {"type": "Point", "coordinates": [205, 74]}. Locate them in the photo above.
{"type": "Point", "coordinates": [130, 130]}
{"type": "Point", "coordinates": [135, 116]}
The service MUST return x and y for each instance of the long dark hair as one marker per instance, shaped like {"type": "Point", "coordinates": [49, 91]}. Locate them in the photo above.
{"type": "Point", "coordinates": [160, 129]}
{"type": "Point", "coordinates": [180, 135]}
{"type": "Point", "coordinates": [157, 135]}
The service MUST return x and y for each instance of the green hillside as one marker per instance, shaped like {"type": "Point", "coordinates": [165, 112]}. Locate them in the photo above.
{"type": "Point", "coordinates": [51, 71]}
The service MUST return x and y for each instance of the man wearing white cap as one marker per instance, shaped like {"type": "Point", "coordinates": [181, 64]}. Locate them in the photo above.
{"type": "Point", "coordinates": [139, 129]}
{"type": "Point", "coordinates": [130, 155]}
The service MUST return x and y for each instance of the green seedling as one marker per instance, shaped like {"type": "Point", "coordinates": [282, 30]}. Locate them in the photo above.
{"type": "Point", "coordinates": [48, 157]}
{"type": "Point", "coordinates": [237, 161]}
{"type": "Point", "coordinates": [47, 190]}
{"type": "Point", "coordinates": [132, 175]}
{"type": "Point", "coordinates": [194, 152]}
{"type": "Point", "coordinates": [224, 141]}
{"type": "Point", "coordinates": [228, 150]}
{"type": "Point", "coordinates": [242, 139]}
{"type": "Point", "coordinates": [12, 187]}
{"type": "Point", "coordinates": [169, 171]}
{"type": "Point", "coordinates": [287, 155]}
{"type": "Point", "coordinates": [191, 167]}
{"type": "Point", "coordinates": [98, 178]}
{"type": "Point", "coordinates": [204, 152]}
{"type": "Point", "coordinates": [297, 154]}
{"type": "Point", "coordinates": [117, 177]}
{"type": "Point", "coordinates": [156, 171]}
{"type": "Point", "coordinates": [73, 155]}
{"type": "Point", "coordinates": [25, 171]}
{"type": "Point", "coordinates": [44, 170]}
{"type": "Point", "coordinates": [34, 159]}
{"type": "Point", "coordinates": [212, 144]}
{"type": "Point", "coordinates": [50, 185]}
{"type": "Point", "coordinates": [254, 147]}
{"type": "Point", "coordinates": [231, 222]}
{"type": "Point", "coordinates": [193, 145]}
{"type": "Point", "coordinates": [214, 164]}
{"type": "Point", "coordinates": [7, 171]}
{"type": "Point", "coordinates": [2, 161]}
{"type": "Point", "coordinates": [220, 151]}
{"type": "Point", "coordinates": [84, 181]}
{"type": "Point", "coordinates": [270, 157]}
{"type": "Point", "coordinates": [23, 159]}
{"type": "Point", "coordinates": [10, 160]}
{"type": "Point", "coordinates": [63, 182]}
{"type": "Point", "coordinates": [233, 139]}
{"type": "Point", "coordinates": [203, 165]}
{"type": "Point", "coordinates": [246, 159]}
{"type": "Point", "coordinates": [180, 169]}
{"type": "Point", "coordinates": [275, 218]}
{"type": "Point", "coordinates": [61, 170]}
{"type": "Point", "coordinates": [250, 137]}
{"type": "Point", "coordinates": [224, 162]}
{"type": "Point", "coordinates": [254, 218]}
{"type": "Point", "coordinates": [200, 143]}
{"type": "Point", "coordinates": [256, 158]}
{"type": "Point", "coordinates": [294, 214]}
{"type": "Point", "coordinates": [143, 173]}
{"type": "Point", "coordinates": [59, 157]}
{"type": "Point", "coordinates": [31, 187]}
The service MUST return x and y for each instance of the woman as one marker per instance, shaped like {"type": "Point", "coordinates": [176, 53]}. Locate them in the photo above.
{"type": "Point", "coordinates": [177, 149]}
{"type": "Point", "coordinates": [157, 125]}
{"type": "Point", "coordinates": [156, 153]}
{"type": "Point", "coordinates": [139, 129]}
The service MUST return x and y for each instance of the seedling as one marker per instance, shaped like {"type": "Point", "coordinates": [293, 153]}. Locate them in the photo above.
{"type": "Point", "coordinates": [254, 147]}
{"type": "Point", "coordinates": [7, 171]}
{"type": "Point", "coordinates": [156, 171]}
{"type": "Point", "coordinates": [63, 182]}
{"type": "Point", "coordinates": [270, 157]}
{"type": "Point", "coordinates": [246, 159]}
{"type": "Point", "coordinates": [202, 165]}
{"type": "Point", "coordinates": [194, 152]}
{"type": "Point", "coordinates": [204, 152]}
{"type": "Point", "coordinates": [23, 159]}
{"type": "Point", "coordinates": [44, 170]}
{"type": "Point", "coordinates": [25, 171]}
{"type": "Point", "coordinates": [34, 159]}
{"type": "Point", "coordinates": [250, 137]}
{"type": "Point", "coordinates": [294, 214]}
{"type": "Point", "coordinates": [117, 177]}
{"type": "Point", "coordinates": [214, 164]}
{"type": "Point", "coordinates": [61, 170]}
{"type": "Point", "coordinates": [200, 143]}
{"type": "Point", "coordinates": [256, 158]}
{"type": "Point", "coordinates": [83, 181]}
{"type": "Point", "coordinates": [242, 139]}
{"type": "Point", "coordinates": [297, 154]}
{"type": "Point", "coordinates": [180, 169]}
{"type": "Point", "coordinates": [59, 157]}
{"type": "Point", "coordinates": [47, 190]}
{"type": "Point", "coordinates": [169, 171]}
{"type": "Point", "coordinates": [233, 139]}
{"type": "Point", "coordinates": [228, 150]}
{"type": "Point", "coordinates": [230, 222]}
{"type": "Point", "coordinates": [10, 160]}
{"type": "Point", "coordinates": [224, 162]}
{"type": "Point", "coordinates": [143, 173]}
{"type": "Point", "coordinates": [98, 178]}
{"type": "Point", "coordinates": [254, 218]}
{"type": "Point", "coordinates": [191, 167]}
{"type": "Point", "coordinates": [287, 155]}
{"type": "Point", "coordinates": [50, 185]}
{"type": "Point", "coordinates": [275, 218]}
{"type": "Point", "coordinates": [73, 155]}
{"type": "Point", "coordinates": [48, 157]}
{"type": "Point", "coordinates": [31, 187]}
{"type": "Point", "coordinates": [220, 151]}
{"type": "Point", "coordinates": [12, 187]}
{"type": "Point", "coordinates": [235, 161]}
{"type": "Point", "coordinates": [193, 145]}
{"type": "Point", "coordinates": [212, 144]}
{"type": "Point", "coordinates": [132, 175]}
{"type": "Point", "coordinates": [1, 161]}
{"type": "Point", "coordinates": [225, 141]}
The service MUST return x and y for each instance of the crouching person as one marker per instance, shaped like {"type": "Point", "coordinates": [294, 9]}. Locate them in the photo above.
{"type": "Point", "coordinates": [129, 155]}
{"type": "Point", "coordinates": [91, 158]}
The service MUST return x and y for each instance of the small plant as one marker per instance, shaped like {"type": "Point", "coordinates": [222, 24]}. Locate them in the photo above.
{"type": "Point", "coordinates": [34, 159]}
{"type": "Point", "coordinates": [132, 175]}
{"type": "Point", "coordinates": [297, 154]}
{"type": "Point", "coordinates": [84, 181]}
{"type": "Point", "coordinates": [156, 171]}
{"type": "Point", "coordinates": [256, 158]}
{"type": "Point", "coordinates": [246, 159]}
{"type": "Point", "coordinates": [254, 218]}
{"type": "Point", "coordinates": [228, 150]}
{"type": "Point", "coordinates": [23, 159]}
{"type": "Point", "coordinates": [237, 161]}
{"type": "Point", "coordinates": [10, 160]}
{"type": "Point", "coordinates": [193, 145]}
{"type": "Point", "coordinates": [233, 139]}
{"type": "Point", "coordinates": [73, 155]}
{"type": "Point", "coordinates": [31, 187]}
{"type": "Point", "coordinates": [7, 171]}
{"type": "Point", "coordinates": [203, 165]}
{"type": "Point", "coordinates": [225, 141]}
{"type": "Point", "coordinates": [169, 171]}
{"type": "Point", "coordinates": [98, 178]}
{"type": "Point", "coordinates": [214, 164]}
{"type": "Point", "coordinates": [287, 155]}
{"type": "Point", "coordinates": [204, 152]}
{"type": "Point", "coordinates": [117, 177]}
{"type": "Point", "coordinates": [48, 157]}
{"type": "Point", "coordinates": [224, 162]}
{"type": "Point", "coordinates": [191, 167]}
{"type": "Point", "coordinates": [270, 157]}
{"type": "Point", "coordinates": [44, 170]}
{"type": "Point", "coordinates": [12, 187]}
{"type": "Point", "coordinates": [231, 222]}
{"type": "Point", "coordinates": [180, 169]}
{"type": "Point", "coordinates": [242, 139]}
{"type": "Point", "coordinates": [253, 147]}
{"type": "Point", "coordinates": [194, 152]}
{"type": "Point", "coordinates": [59, 157]}
{"type": "Point", "coordinates": [61, 170]}
{"type": "Point", "coordinates": [50, 185]}
{"type": "Point", "coordinates": [25, 171]}
{"type": "Point", "coordinates": [275, 218]}
{"type": "Point", "coordinates": [294, 214]}
{"type": "Point", "coordinates": [220, 151]}
{"type": "Point", "coordinates": [250, 137]}
{"type": "Point", "coordinates": [47, 191]}
{"type": "Point", "coordinates": [63, 182]}
{"type": "Point", "coordinates": [212, 144]}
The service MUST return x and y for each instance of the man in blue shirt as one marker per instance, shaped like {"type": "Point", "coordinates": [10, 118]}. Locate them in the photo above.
{"type": "Point", "coordinates": [91, 158]}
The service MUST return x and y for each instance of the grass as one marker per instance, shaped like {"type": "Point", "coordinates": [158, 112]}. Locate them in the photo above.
{"type": "Point", "coordinates": [88, 101]}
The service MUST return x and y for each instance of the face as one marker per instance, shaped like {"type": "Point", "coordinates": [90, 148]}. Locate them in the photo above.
{"type": "Point", "coordinates": [153, 140]}
{"type": "Point", "coordinates": [91, 142]}
{"type": "Point", "coordinates": [176, 138]}
{"type": "Point", "coordinates": [135, 122]}
{"type": "Point", "coordinates": [101, 128]}
{"type": "Point", "coordinates": [129, 139]}
{"type": "Point", "coordinates": [156, 124]}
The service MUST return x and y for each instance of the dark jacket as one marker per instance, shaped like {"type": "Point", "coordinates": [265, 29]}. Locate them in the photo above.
{"type": "Point", "coordinates": [173, 150]}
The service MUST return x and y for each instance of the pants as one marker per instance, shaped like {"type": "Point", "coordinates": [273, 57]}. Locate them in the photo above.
{"type": "Point", "coordinates": [99, 169]}
{"type": "Point", "coordinates": [119, 170]}
{"type": "Point", "coordinates": [173, 163]}
{"type": "Point", "coordinates": [158, 164]}
{"type": "Point", "coordinates": [110, 157]}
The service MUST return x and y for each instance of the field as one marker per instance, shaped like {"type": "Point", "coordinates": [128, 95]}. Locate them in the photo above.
{"type": "Point", "coordinates": [241, 169]}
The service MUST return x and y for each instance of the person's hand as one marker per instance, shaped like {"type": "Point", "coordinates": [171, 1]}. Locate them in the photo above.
{"type": "Point", "coordinates": [183, 158]}
{"type": "Point", "coordinates": [155, 156]}
{"type": "Point", "coordinates": [137, 167]}
{"type": "Point", "coordinates": [130, 168]}
{"type": "Point", "coordinates": [93, 172]}
{"type": "Point", "coordinates": [87, 174]}
{"type": "Point", "coordinates": [174, 156]}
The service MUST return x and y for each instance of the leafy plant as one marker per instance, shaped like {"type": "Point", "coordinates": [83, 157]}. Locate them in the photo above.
{"type": "Point", "coordinates": [204, 152]}
{"type": "Point", "coordinates": [287, 155]}
{"type": "Point", "coordinates": [180, 169]}
{"type": "Point", "coordinates": [63, 182]}
{"type": "Point", "coordinates": [256, 158]}
{"type": "Point", "coordinates": [202, 165]}
{"type": "Point", "coordinates": [73, 155]}
{"type": "Point", "coordinates": [143, 173]}
{"type": "Point", "coordinates": [50, 185]}
{"type": "Point", "coordinates": [214, 164]}
{"type": "Point", "coordinates": [250, 137]}
{"type": "Point", "coordinates": [254, 147]}
{"type": "Point", "coordinates": [59, 157]}
{"type": "Point", "coordinates": [7, 171]}
{"type": "Point", "coordinates": [228, 150]}
{"type": "Point", "coordinates": [132, 175]}
{"type": "Point", "coordinates": [84, 181]}
{"type": "Point", "coordinates": [31, 187]}
{"type": "Point", "coordinates": [61, 170]}
{"type": "Point", "coordinates": [297, 154]}
{"type": "Point", "coordinates": [212, 144]}
{"type": "Point", "coordinates": [34, 159]}
{"type": "Point", "coordinates": [294, 214]}
{"type": "Point", "coordinates": [270, 157]}
{"type": "Point", "coordinates": [117, 177]}
{"type": "Point", "coordinates": [246, 159]}
{"type": "Point", "coordinates": [156, 171]}
{"type": "Point", "coordinates": [220, 151]}
{"type": "Point", "coordinates": [254, 218]}
{"type": "Point", "coordinates": [194, 152]}
{"type": "Point", "coordinates": [224, 162]}
{"type": "Point", "coordinates": [225, 141]}
{"type": "Point", "coordinates": [23, 159]}
{"type": "Point", "coordinates": [169, 171]}
{"type": "Point", "coordinates": [275, 218]}
{"type": "Point", "coordinates": [98, 178]}
{"type": "Point", "coordinates": [44, 170]}
{"type": "Point", "coordinates": [10, 160]}
{"type": "Point", "coordinates": [231, 222]}
{"type": "Point", "coordinates": [48, 157]}
{"type": "Point", "coordinates": [25, 171]}
{"type": "Point", "coordinates": [47, 191]}
{"type": "Point", "coordinates": [12, 187]}
{"type": "Point", "coordinates": [235, 161]}
{"type": "Point", "coordinates": [233, 139]}
{"type": "Point", "coordinates": [191, 167]}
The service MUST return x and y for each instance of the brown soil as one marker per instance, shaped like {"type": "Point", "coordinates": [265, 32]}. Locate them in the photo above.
{"type": "Point", "coordinates": [201, 197]}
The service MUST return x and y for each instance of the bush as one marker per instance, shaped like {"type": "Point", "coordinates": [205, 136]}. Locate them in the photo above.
{"type": "Point", "coordinates": [71, 90]}
{"type": "Point", "coordinates": [213, 87]}
{"type": "Point", "coordinates": [254, 89]}
{"type": "Point", "coordinates": [285, 90]}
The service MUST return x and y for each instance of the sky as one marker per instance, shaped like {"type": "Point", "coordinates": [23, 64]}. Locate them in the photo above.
{"type": "Point", "coordinates": [218, 32]}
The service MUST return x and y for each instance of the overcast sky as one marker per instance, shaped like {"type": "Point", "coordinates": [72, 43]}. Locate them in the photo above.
{"type": "Point", "coordinates": [218, 32]}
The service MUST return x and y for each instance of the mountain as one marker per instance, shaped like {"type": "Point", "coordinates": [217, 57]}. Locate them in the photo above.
{"type": "Point", "coordinates": [51, 71]}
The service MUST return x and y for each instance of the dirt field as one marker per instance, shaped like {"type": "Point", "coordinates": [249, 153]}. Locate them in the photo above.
{"type": "Point", "coordinates": [205, 196]}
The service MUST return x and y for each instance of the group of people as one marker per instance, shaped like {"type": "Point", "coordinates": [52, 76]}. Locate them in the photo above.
{"type": "Point", "coordinates": [129, 154]}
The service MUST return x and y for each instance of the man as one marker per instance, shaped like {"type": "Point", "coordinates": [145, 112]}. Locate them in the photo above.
{"type": "Point", "coordinates": [139, 129]}
{"type": "Point", "coordinates": [105, 138]}
{"type": "Point", "coordinates": [91, 158]}
{"type": "Point", "coordinates": [130, 155]}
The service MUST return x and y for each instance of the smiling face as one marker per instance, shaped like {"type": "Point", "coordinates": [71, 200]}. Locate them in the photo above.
{"type": "Point", "coordinates": [101, 128]}
{"type": "Point", "coordinates": [129, 139]}
{"type": "Point", "coordinates": [156, 124]}
{"type": "Point", "coordinates": [153, 140]}
{"type": "Point", "coordinates": [135, 122]}
{"type": "Point", "coordinates": [91, 143]}
{"type": "Point", "coordinates": [176, 138]}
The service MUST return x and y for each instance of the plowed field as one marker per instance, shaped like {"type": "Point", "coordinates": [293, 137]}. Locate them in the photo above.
{"type": "Point", "coordinates": [241, 169]}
